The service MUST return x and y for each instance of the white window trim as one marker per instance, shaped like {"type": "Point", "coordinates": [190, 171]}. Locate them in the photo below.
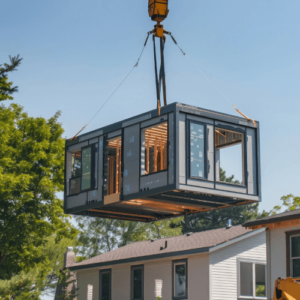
{"type": "Point", "coordinates": [253, 262]}
{"type": "Point", "coordinates": [291, 258]}
{"type": "Point", "coordinates": [179, 263]}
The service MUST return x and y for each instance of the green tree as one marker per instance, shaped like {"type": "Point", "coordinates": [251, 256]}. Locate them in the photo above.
{"type": "Point", "coordinates": [31, 174]}
{"type": "Point", "coordinates": [290, 201]}
{"type": "Point", "coordinates": [6, 87]}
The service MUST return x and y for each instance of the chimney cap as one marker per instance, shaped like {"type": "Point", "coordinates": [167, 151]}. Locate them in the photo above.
{"type": "Point", "coordinates": [229, 224]}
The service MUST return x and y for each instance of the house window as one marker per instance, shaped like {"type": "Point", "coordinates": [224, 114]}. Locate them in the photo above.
{"type": "Point", "coordinates": [89, 292]}
{"type": "Point", "coordinates": [180, 279]}
{"type": "Point", "coordinates": [197, 150]}
{"type": "Point", "coordinates": [154, 154]}
{"type": "Point", "coordinates": [252, 280]}
{"type": "Point", "coordinates": [229, 151]}
{"type": "Point", "coordinates": [82, 170]}
{"type": "Point", "coordinates": [112, 166]}
{"type": "Point", "coordinates": [105, 284]}
{"type": "Point", "coordinates": [295, 256]}
{"type": "Point", "coordinates": [137, 282]}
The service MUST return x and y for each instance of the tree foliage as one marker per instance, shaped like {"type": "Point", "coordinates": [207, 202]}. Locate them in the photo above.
{"type": "Point", "coordinates": [31, 173]}
{"type": "Point", "coordinates": [6, 87]}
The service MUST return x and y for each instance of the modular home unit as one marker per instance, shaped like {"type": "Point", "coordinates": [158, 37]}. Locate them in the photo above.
{"type": "Point", "coordinates": [185, 160]}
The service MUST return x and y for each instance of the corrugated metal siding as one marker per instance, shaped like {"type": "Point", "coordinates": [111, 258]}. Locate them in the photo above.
{"type": "Point", "coordinates": [277, 255]}
{"type": "Point", "coordinates": [223, 265]}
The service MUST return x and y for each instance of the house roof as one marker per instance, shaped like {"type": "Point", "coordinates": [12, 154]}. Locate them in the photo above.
{"type": "Point", "coordinates": [288, 215]}
{"type": "Point", "coordinates": [199, 242]}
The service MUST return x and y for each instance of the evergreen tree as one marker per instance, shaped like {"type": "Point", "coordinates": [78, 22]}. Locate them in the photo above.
{"type": "Point", "coordinates": [6, 87]}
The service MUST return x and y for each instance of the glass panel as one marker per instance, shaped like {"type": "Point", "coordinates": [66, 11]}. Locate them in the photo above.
{"type": "Point", "coordinates": [86, 168]}
{"type": "Point", "coordinates": [296, 267]}
{"type": "Point", "coordinates": [75, 185]}
{"type": "Point", "coordinates": [105, 286]}
{"type": "Point", "coordinates": [154, 149]}
{"type": "Point", "coordinates": [260, 277]}
{"type": "Point", "coordinates": [229, 156]}
{"type": "Point", "coordinates": [137, 284]}
{"type": "Point", "coordinates": [180, 280]}
{"type": "Point", "coordinates": [246, 279]}
{"type": "Point", "coordinates": [295, 241]}
{"type": "Point", "coordinates": [113, 166]}
{"type": "Point", "coordinates": [76, 164]}
{"type": "Point", "coordinates": [196, 150]}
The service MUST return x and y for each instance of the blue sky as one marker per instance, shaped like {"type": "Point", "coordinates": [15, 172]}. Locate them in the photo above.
{"type": "Point", "coordinates": [76, 52]}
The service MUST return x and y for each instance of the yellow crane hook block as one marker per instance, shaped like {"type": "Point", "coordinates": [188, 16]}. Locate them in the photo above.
{"type": "Point", "coordinates": [158, 10]}
{"type": "Point", "coordinates": [286, 289]}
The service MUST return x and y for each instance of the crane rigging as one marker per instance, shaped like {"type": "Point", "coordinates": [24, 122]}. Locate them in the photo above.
{"type": "Point", "coordinates": [158, 12]}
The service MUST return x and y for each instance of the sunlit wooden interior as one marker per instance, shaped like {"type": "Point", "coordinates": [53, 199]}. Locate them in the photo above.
{"type": "Point", "coordinates": [224, 138]}
{"type": "Point", "coordinates": [156, 141]}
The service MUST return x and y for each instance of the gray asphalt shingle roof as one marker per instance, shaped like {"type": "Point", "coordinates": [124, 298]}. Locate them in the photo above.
{"type": "Point", "coordinates": [288, 215]}
{"type": "Point", "coordinates": [140, 250]}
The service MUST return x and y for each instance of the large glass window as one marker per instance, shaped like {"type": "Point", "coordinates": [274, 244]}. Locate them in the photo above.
{"type": "Point", "coordinates": [180, 279]}
{"type": "Point", "coordinates": [229, 149]}
{"type": "Point", "coordinates": [137, 283]}
{"type": "Point", "coordinates": [86, 177]}
{"type": "Point", "coordinates": [295, 256]}
{"type": "Point", "coordinates": [105, 285]}
{"type": "Point", "coordinates": [252, 279]}
{"type": "Point", "coordinates": [197, 154]}
{"type": "Point", "coordinates": [112, 166]}
{"type": "Point", "coordinates": [75, 181]}
{"type": "Point", "coordinates": [154, 156]}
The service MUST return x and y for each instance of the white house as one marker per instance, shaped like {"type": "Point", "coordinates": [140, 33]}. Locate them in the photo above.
{"type": "Point", "coordinates": [226, 263]}
{"type": "Point", "coordinates": [283, 245]}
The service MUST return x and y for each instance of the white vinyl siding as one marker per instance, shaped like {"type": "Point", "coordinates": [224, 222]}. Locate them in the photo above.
{"type": "Point", "coordinates": [86, 278]}
{"type": "Point", "coordinates": [277, 256]}
{"type": "Point", "coordinates": [224, 265]}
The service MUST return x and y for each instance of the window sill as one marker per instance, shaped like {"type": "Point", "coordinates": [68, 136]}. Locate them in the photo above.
{"type": "Point", "coordinates": [233, 184]}
{"type": "Point", "coordinates": [251, 297]}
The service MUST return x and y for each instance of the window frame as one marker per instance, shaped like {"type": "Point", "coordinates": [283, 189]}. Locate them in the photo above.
{"type": "Point", "coordinates": [244, 149]}
{"type": "Point", "coordinates": [289, 235]}
{"type": "Point", "coordinates": [174, 263]}
{"type": "Point", "coordinates": [254, 263]}
{"type": "Point", "coordinates": [188, 150]}
{"type": "Point", "coordinates": [92, 146]}
{"type": "Point", "coordinates": [141, 146]}
{"type": "Point", "coordinates": [105, 271]}
{"type": "Point", "coordinates": [136, 267]}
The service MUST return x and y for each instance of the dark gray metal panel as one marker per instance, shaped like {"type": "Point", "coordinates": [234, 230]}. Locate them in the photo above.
{"type": "Point", "coordinates": [210, 152]}
{"type": "Point", "coordinates": [91, 135]}
{"type": "Point", "coordinates": [114, 133]}
{"type": "Point", "coordinates": [93, 196]}
{"type": "Point", "coordinates": [96, 164]}
{"type": "Point", "coordinates": [93, 141]}
{"type": "Point", "coordinates": [77, 200]}
{"type": "Point", "coordinates": [154, 180]}
{"type": "Point", "coordinates": [136, 120]}
{"type": "Point", "coordinates": [171, 149]}
{"type": "Point", "coordinates": [251, 161]}
{"type": "Point", "coordinates": [231, 188]}
{"type": "Point", "coordinates": [68, 172]}
{"type": "Point", "coordinates": [182, 148]}
{"type": "Point", "coordinates": [154, 121]}
{"type": "Point", "coordinates": [131, 177]}
{"type": "Point", "coordinates": [234, 126]}
{"type": "Point", "coordinates": [201, 183]}
{"type": "Point", "coordinates": [176, 135]}
{"type": "Point", "coordinates": [100, 168]}
{"type": "Point", "coordinates": [131, 143]}
{"type": "Point", "coordinates": [131, 159]}
{"type": "Point", "coordinates": [218, 193]}
{"type": "Point", "coordinates": [77, 146]}
{"type": "Point", "coordinates": [200, 119]}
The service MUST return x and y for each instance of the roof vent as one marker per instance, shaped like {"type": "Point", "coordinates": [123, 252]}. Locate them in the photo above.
{"type": "Point", "coordinates": [189, 233]}
{"type": "Point", "coordinates": [229, 224]}
{"type": "Point", "coordinates": [153, 240]}
{"type": "Point", "coordinates": [166, 245]}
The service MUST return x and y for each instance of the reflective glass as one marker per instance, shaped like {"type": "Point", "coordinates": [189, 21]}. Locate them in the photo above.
{"type": "Point", "coordinates": [197, 163]}
{"type": "Point", "coordinates": [76, 164]}
{"type": "Point", "coordinates": [246, 277]}
{"type": "Point", "coordinates": [137, 284]}
{"type": "Point", "coordinates": [180, 280]}
{"type": "Point", "coordinates": [260, 277]}
{"type": "Point", "coordinates": [105, 288]}
{"type": "Point", "coordinates": [75, 185]}
{"type": "Point", "coordinates": [296, 267]}
{"type": "Point", "coordinates": [295, 241]}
